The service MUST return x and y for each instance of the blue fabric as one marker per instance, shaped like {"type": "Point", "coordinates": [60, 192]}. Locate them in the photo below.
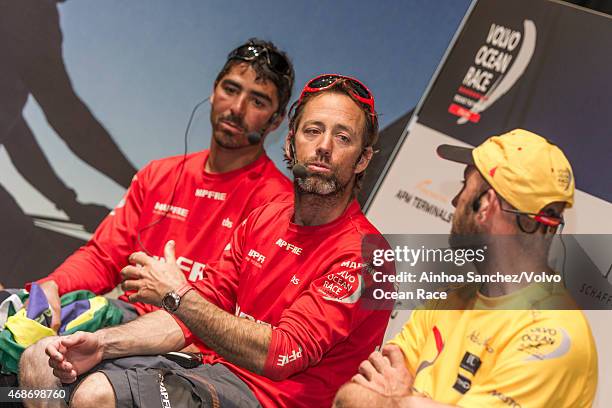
{"type": "Point", "coordinates": [38, 302]}
{"type": "Point", "coordinates": [72, 311]}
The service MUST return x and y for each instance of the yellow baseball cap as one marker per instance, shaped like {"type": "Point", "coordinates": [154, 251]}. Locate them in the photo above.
{"type": "Point", "coordinates": [525, 169]}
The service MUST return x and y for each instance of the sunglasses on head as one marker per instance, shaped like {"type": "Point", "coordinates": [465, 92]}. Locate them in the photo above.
{"type": "Point", "coordinates": [548, 218]}
{"type": "Point", "coordinates": [357, 88]}
{"type": "Point", "coordinates": [551, 220]}
{"type": "Point", "coordinates": [250, 52]}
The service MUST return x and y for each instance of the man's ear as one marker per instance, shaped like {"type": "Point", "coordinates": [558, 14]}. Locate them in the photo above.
{"type": "Point", "coordinates": [487, 203]}
{"type": "Point", "coordinates": [364, 159]}
{"type": "Point", "coordinates": [212, 97]}
{"type": "Point", "coordinates": [288, 141]}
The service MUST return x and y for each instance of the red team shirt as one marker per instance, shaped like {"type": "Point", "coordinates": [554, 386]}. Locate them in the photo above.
{"type": "Point", "coordinates": [206, 209]}
{"type": "Point", "coordinates": [306, 283]}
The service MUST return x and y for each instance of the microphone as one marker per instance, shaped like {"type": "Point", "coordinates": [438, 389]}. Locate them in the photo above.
{"type": "Point", "coordinates": [254, 137]}
{"type": "Point", "coordinates": [299, 170]}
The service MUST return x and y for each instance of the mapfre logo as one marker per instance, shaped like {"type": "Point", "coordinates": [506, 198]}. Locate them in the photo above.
{"type": "Point", "coordinates": [284, 359]}
{"type": "Point", "coordinates": [352, 265]}
{"type": "Point", "coordinates": [289, 247]}
{"type": "Point", "coordinates": [170, 211]}
{"type": "Point", "coordinates": [163, 393]}
{"type": "Point", "coordinates": [213, 195]}
{"type": "Point", "coordinates": [255, 258]}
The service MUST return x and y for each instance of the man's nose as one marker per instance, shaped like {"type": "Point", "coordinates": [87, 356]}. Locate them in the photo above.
{"type": "Point", "coordinates": [239, 105]}
{"type": "Point", "coordinates": [325, 145]}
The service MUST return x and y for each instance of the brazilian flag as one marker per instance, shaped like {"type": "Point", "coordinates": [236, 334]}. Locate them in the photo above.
{"type": "Point", "coordinates": [20, 327]}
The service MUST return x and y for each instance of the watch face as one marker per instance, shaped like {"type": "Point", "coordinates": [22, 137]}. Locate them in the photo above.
{"type": "Point", "coordinates": [171, 301]}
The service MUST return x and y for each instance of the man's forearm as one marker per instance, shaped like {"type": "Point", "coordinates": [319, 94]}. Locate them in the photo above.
{"type": "Point", "coordinates": [353, 395]}
{"type": "Point", "coordinates": [240, 341]}
{"type": "Point", "coordinates": [153, 333]}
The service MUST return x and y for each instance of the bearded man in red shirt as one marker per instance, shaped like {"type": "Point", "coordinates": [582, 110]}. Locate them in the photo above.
{"type": "Point", "coordinates": [284, 309]}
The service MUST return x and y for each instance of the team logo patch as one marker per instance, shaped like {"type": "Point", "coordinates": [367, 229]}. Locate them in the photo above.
{"type": "Point", "coordinates": [564, 178]}
{"type": "Point", "coordinates": [345, 286]}
{"type": "Point", "coordinates": [462, 384]}
{"type": "Point", "coordinates": [544, 343]}
{"type": "Point", "coordinates": [470, 362]}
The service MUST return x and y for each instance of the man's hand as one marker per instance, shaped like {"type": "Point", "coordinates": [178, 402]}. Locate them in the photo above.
{"type": "Point", "coordinates": [152, 278]}
{"type": "Point", "coordinates": [71, 356]}
{"type": "Point", "coordinates": [51, 291]}
{"type": "Point", "coordinates": [385, 373]}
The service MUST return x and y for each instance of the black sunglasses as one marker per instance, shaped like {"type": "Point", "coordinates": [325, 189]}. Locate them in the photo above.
{"type": "Point", "coordinates": [250, 52]}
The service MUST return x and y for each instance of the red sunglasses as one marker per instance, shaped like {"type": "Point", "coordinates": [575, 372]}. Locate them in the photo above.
{"type": "Point", "coordinates": [356, 88]}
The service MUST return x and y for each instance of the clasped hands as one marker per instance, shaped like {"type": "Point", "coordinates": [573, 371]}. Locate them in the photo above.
{"type": "Point", "coordinates": [385, 373]}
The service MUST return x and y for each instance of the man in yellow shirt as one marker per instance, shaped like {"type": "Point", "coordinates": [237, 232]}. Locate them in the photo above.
{"type": "Point", "coordinates": [500, 344]}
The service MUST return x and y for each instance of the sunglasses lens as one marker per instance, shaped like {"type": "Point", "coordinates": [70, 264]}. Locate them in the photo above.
{"type": "Point", "coordinates": [360, 89]}
{"type": "Point", "coordinates": [278, 63]}
{"type": "Point", "coordinates": [246, 51]}
{"type": "Point", "coordinates": [322, 81]}
{"type": "Point", "coordinates": [526, 224]}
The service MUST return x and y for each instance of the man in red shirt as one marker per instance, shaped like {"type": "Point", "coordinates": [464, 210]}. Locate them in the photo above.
{"type": "Point", "coordinates": [284, 309]}
{"type": "Point", "coordinates": [197, 200]}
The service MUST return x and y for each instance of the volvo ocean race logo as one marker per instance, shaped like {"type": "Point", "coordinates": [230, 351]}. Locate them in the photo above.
{"type": "Point", "coordinates": [498, 64]}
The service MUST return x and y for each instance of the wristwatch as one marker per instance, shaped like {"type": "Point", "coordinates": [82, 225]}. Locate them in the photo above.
{"type": "Point", "coordinates": [172, 300]}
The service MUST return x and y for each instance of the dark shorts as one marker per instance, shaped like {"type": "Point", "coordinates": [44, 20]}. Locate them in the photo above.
{"type": "Point", "coordinates": [155, 381]}
{"type": "Point", "coordinates": [127, 309]}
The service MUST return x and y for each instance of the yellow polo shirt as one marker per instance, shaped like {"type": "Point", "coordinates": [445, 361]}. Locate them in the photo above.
{"type": "Point", "coordinates": [487, 356]}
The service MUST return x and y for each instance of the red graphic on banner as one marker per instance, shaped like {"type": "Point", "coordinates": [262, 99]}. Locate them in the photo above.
{"type": "Point", "coordinates": [463, 113]}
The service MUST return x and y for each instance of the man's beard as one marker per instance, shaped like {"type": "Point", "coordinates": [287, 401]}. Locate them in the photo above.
{"type": "Point", "coordinates": [320, 185]}
{"type": "Point", "coordinates": [226, 139]}
{"type": "Point", "coordinates": [327, 185]}
{"type": "Point", "coordinates": [465, 233]}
